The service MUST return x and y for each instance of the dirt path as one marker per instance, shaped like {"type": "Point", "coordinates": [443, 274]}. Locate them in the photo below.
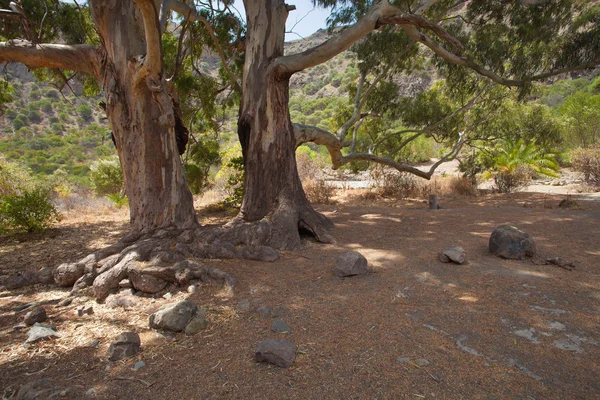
{"type": "Point", "coordinates": [413, 328]}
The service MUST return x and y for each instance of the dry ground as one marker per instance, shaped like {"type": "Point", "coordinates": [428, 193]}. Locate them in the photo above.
{"type": "Point", "coordinates": [492, 329]}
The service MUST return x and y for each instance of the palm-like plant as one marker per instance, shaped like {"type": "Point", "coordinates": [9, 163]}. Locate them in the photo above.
{"type": "Point", "coordinates": [515, 162]}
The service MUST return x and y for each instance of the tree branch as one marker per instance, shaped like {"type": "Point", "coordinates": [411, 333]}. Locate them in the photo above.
{"type": "Point", "coordinates": [83, 57]}
{"type": "Point", "coordinates": [152, 64]}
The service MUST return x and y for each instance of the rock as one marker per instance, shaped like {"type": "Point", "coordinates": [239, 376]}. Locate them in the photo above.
{"type": "Point", "coordinates": [34, 390]}
{"type": "Point", "coordinates": [193, 289]}
{"type": "Point", "coordinates": [21, 279]}
{"type": "Point", "coordinates": [125, 284]}
{"type": "Point", "coordinates": [279, 326]}
{"type": "Point", "coordinates": [173, 317]}
{"type": "Point", "coordinates": [91, 392]}
{"type": "Point", "coordinates": [84, 281]}
{"type": "Point", "coordinates": [350, 264]}
{"type": "Point", "coordinates": [146, 283]}
{"type": "Point", "coordinates": [94, 343]}
{"type": "Point", "coordinates": [46, 275]}
{"type": "Point", "coordinates": [509, 242]}
{"type": "Point", "coordinates": [25, 306]}
{"type": "Point", "coordinates": [243, 305]}
{"type": "Point", "coordinates": [138, 365]}
{"type": "Point", "coordinates": [65, 302]}
{"type": "Point", "coordinates": [196, 325]}
{"type": "Point", "coordinates": [264, 311]}
{"type": "Point", "coordinates": [38, 314]}
{"type": "Point", "coordinates": [279, 312]}
{"type": "Point", "coordinates": [19, 327]}
{"type": "Point", "coordinates": [421, 362]}
{"type": "Point", "coordinates": [455, 254]}
{"type": "Point", "coordinates": [67, 274]}
{"type": "Point", "coordinates": [568, 203]}
{"type": "Point", "coordinates": [81, 311]}
{"type": "Point", "coordinates": [125, 345]}
{"type": "Point", "coordinates": [276, 351]}
{"type": "Point", "coordinates": [40, 332]}
{"type": "Point", "coordinates": [403, 360]}
{"type": "Point", "coordinates": [124, 301]}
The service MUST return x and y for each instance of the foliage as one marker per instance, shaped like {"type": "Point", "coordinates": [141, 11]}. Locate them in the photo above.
{"type": "Point", "coordinates": [587, 161]}
{"type": "Point", "coordinates": [120, 200]}
{"type": "Point", "coordinates": [318, 191]}
{"type": "Point", "coordinates": [200, 157]}
{"type": "Point", "coordinates": [31, 211]}
{"type": "Point", "coordinates": [581, 115]}
{"type": "Point", "coordinates": [235, 183]}
{"type": "Point", "coordinates": [514, 163]}
{"type": "Point", "coordinates": [106, 176]}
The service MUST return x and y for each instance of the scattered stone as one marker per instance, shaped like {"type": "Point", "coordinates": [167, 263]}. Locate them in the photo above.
{"type": "Point", "coordinates": [124, 300]}
{"type": "Point", "coordinates": [22, 279]}
{"type": "Point", "coordinates": [559, 262]}
{"type": "Point", "coordinates": [125, 284]}
{"type": "Point", "coordinates": [168, 296]}
{"type": "Point", "coordinates": [91, 392]}
{"type": "Point", "coordinates": [193, 289]}
{"type": "Point", "coordinates": [403, 360]}
{"type": "Point", "coordinates": [511, 243]}
{"type": "Point", "coordinates": [243, 305]}
{"type": "Point", "coordinates": [279, 326]}
{"type": "Point", "coordinates": [279, 312]}
{"type": "Point", "coordinates": [94, 343]}
{"type": "Point", "coordinates": [421, 362]}
{"type": "Point", "coordinates": [40, 332]}
{"type": "Point", "coordinates": [350, 264]}
{"type": "Point", "coordinates": [138, 365]}
{"type": "Point", "coordinates": [276, 351]}
{"type": "Point", "coordinates": [46, 275]}
{"type": "Point", "coordinates": [196, 325]}
{"type": "Point", "coordinates": [455, 254]}
{"type": "Point", "coordinates": [146, 283]}
{"type": "Point", "coordinates": [83, 310]}
{"type": "Point", "coordinates": [125, 345]}
{"type": "Point", "coordinates": [264, 311]}
{"type": "Point", "coordinates": [38, 314]}
{"type": "Point", "coordinates": [34, 390]}
{"type": "Point", "coordinates": [173, 317]}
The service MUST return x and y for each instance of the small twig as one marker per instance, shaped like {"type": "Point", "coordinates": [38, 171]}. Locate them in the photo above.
{"type": "Point", "coordinates": [435, 378]}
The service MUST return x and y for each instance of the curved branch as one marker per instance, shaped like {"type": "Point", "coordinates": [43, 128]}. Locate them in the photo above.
{"type": "Point", "coordinates": [309, 133]}
{"type": "Point", "coordinates": [152, 64]}
{"type": "Point", "coordinates": [82, 57]}
{"type": "Point", "coordinates": [192, 15]}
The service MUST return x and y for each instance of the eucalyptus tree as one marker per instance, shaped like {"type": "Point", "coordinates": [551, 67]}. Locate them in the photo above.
{"type": "Point", "coordinates": [511, 43]}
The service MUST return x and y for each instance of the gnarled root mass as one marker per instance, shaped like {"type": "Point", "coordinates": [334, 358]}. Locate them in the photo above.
{"type": "Point", "coordinates": [152, 261]}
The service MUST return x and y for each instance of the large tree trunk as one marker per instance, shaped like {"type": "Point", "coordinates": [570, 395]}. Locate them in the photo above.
{"type": "Point", "coordinates": [142, 118]}
{"type": "Point", "coordinates": [273, 196]}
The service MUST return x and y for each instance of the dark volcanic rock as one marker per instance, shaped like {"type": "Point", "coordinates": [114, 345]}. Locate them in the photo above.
{"type": "Point", "coordinates": [125, 345]}
{"type": "Point", "coordinates": [38, 314]}
{"type": "Point", "coordinates": [276, 351]}
{"type": "Point", "coordinates": [511, 243]}
{"type": "Point", "coordinates": [350, 264]}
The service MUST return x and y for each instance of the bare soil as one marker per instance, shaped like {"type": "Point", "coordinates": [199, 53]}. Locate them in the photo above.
{"type": "Point", "coordinates": [491, 329]}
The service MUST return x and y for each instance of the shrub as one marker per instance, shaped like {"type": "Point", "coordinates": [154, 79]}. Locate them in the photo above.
{"type": "Point", "coordinates": [508, 181]}
{"type": "Point", "coordinates": [318, 191]}
{"type": "Point", "coordinates": [31, 211]}
{"type": "Point", "coordinates": [587, 161]}
{"type": "Point", "coordinates": [463, 186]}
{"type": "Point", "coordinates": [106, 176]}
{"type": "Point", "coordinates": [235, 183]}
{"type": "Point", "coordinates": [85, 112]}
{"type": "Point", "coordinates": [391, 183]}
{"type": "Point", "coordinates": [118, 199]}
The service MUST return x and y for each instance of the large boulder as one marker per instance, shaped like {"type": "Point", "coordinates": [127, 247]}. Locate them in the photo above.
{"type": "Point", "coordinates": [276, 351]}
{"type": "Point", "coordinates": [350, 264]}
{"type": "Point", "coordinates": [146, 283]}
{"type": "Point", "coordinates": [511, 243]}
{"type": "Point", "coordinates": [174, 317]}
{"type": "Point", "coordinates": [125, 345]}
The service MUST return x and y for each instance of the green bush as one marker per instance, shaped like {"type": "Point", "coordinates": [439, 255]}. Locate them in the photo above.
{"type": "Point", "coordinates": [106, 176]}
{"type": "Point", "coordinates": [31, 211]}
{"type": "Point", "coordinates": [85, 112]}
{"type": "Point", "coordinates": [235, 183]}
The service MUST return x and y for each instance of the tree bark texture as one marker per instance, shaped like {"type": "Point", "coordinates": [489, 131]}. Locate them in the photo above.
{"type": "Point", "coordinates": [273, 191]}
{"type": "Point", "coordinates": [142, 117]}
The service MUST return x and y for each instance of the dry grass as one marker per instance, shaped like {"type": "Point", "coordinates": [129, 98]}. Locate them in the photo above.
{"type": "Point", "coordinates": [318, 191]}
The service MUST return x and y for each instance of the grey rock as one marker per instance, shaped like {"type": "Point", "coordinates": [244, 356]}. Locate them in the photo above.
{"type": "Point", "coordinates": [511, 243]}
{"type": "Point", "coordinates": [65, 302]}
{"type": "Point", "coordinates": [23, 307]}
{"type": "Point", "coordinates": [34, 390]}
{"type": "Point", "coordinates": [243, 305]}
{"type": "Point", "coordinates": [279, 312]}
{"type": "Point", "coordinates": [279, 326]}
{"type": "Point", "coordinates": [138, 365]}
{"type": "Point", "coordinates": [403, 360]}
{"type": "Point", "coordinates": [421, 362]}
{"type": "Point", "coordinates": [125, 284]}
{"type": "Point", "coordinates": [40, 332]}
{"type": "Point", "coordinates": [46, 275]}
{"type": "Point", "coordinates": [455, 254]}
{"type": "Point", "coordinates": [173, 317]}
{"type": "Point", "coordinates": [94, 343]}
{"type": "Point", "coordinates": [38, 314]}
{"type": "Point", "coordinates": [125, 345]}
{"type": "Point", "coordinates": [123, 300]}
{"type": "Point", "coordinates": [91, 392]}
{"type": "Point", "coordinates": [22, 279]}
{"type": "Point", "coordinates": [67, 274]}
{"type": "Point", "coordinates": [196, 325]}
{"type": "Point", "coordinates": [193, 289]}
{"type": "Point", "coordinates": [350, 264]}
{"type": "Point", "coordinates": [276, 351]}
{"type": "Point", "coordinates": [264, 311]}
{"type": "Point", "coordinates": [19, 327]}
{"type": "Point", "coordinates": [146, 283]}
